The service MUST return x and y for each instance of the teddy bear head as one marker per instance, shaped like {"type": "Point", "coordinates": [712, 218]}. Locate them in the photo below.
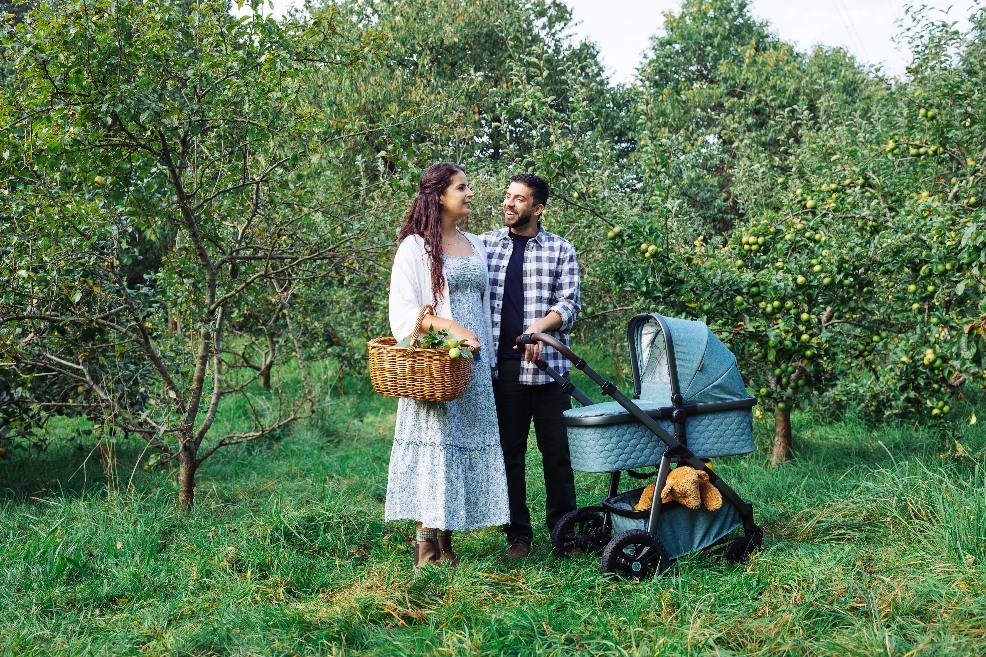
{"type": "Point", "coordinates": [684, 486]}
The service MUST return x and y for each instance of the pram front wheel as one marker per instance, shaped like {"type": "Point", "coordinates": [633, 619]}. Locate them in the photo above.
{"type": "Point", "coordinates": [635, 553]}
{"type": "Point", "coordinates": [583, 530]}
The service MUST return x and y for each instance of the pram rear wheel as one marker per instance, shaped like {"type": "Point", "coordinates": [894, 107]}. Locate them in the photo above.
{"type": "Point", "coordinates": [739, 550]}
{"type": "Point", "coordinates": [635, 553]}
{"type": "Point", "coordinates": [582, 530]}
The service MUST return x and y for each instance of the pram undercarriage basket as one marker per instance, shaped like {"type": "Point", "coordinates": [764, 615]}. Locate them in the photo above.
{"type": "Point", "coordinates": [689, 405]}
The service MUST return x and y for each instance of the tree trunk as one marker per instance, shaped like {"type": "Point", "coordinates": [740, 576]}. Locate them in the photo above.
{"type": "Point", "coordinates": [186, 477]}
{"type": "Point", "coordinates": [172, 323]}
{"type": "Point", "coordinates": [268, 365]}
{"type": "Point", "coordinates": [107, 457]}
{"type": "Point", "coordinates": [782, 436]}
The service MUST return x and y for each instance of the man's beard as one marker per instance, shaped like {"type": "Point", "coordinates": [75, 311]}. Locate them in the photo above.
{"type": "Point", "coordinates": [521, 220]}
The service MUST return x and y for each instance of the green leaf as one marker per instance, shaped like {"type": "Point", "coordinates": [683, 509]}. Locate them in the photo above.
{"type": "Point", "coordinates": [967, 234]}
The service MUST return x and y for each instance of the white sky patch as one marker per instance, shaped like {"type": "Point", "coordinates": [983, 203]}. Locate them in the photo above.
{"type": "Point", "coordinates": [622, 29]}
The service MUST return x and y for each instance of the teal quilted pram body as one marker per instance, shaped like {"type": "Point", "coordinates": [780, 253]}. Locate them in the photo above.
{"type": "Point", "coordinates": [689, 406]}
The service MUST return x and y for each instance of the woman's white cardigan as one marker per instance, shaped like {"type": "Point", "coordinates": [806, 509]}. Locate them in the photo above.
{"type": "Point", "coordinates": [410, 285]}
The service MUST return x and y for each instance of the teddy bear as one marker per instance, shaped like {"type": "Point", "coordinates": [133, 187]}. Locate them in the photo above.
{"type": "Point", "coordinates": [687, 486]}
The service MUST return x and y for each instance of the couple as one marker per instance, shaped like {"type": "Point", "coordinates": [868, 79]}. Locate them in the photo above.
{"type": "Point", "coordinates": [460, 464]}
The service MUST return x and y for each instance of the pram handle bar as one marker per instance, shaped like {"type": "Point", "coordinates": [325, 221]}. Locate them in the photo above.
{"type": "Point", "coordinates": [567, 386]}
{"type": "Point", "coordinates": [554, 343]}
{"type": "Point", "coordinates": [542, 365]}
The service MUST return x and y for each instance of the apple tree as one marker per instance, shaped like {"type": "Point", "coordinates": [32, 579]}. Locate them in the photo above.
{"type": "Point", "coordinates": [175, 133]}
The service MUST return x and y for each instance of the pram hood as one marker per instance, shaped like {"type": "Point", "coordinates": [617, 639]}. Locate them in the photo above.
{"type": "Point", "coordinates": [671, 355]}
{"type": "Point", "coordinates": [669, 358]}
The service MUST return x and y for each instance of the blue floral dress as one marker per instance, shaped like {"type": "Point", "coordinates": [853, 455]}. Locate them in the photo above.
{"type": "Point", "coordinates": [446, 465]}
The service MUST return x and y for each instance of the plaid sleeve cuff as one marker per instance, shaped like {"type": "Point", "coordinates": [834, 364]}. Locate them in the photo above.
{"type": "Point", "coordinates": [568, 311]}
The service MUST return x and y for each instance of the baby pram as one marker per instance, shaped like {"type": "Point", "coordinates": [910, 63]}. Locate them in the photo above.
{"type": "Point", "coordinates": [689, 405]}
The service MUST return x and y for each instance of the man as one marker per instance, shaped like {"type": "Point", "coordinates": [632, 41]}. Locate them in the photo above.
{"type": "Point", "coordinates": [534, 288]}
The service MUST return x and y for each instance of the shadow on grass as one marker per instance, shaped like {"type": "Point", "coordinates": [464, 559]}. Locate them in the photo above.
{"type": "Point", "coordinates": [68, 470]}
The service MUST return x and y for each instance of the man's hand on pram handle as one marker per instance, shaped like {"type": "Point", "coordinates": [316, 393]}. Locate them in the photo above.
{"type": "Point", "coordinates": [532, 349]}
{"type": "Point", "coordinates": [551, 341]}
{"type": "Point", "coordinates": [542, 365]}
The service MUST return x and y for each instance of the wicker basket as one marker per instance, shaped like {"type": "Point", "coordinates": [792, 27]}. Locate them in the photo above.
{"type": "Point", "coordinates": [416, 372]}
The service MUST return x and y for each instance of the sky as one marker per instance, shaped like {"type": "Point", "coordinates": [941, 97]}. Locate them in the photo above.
{"type": "Point", "coordinates": [622, 28]}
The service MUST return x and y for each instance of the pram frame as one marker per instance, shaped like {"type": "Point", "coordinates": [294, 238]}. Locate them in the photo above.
{"type": "Point", "coordinates": [678, 412]}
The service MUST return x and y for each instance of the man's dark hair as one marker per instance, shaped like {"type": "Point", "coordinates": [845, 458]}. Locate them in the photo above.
{"type": "Point", "coordinates": [539, 188]}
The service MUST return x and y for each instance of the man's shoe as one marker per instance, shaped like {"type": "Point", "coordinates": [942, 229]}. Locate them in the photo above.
{"type": "Point", "coordinates": [519, 549]}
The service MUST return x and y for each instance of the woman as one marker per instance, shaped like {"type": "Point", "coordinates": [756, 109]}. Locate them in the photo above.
{"type": "Point", "coordinates": [446, 465]}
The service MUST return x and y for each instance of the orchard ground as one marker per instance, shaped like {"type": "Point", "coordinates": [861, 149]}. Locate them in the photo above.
{"type": "Point", "coordinates": [874, 545]}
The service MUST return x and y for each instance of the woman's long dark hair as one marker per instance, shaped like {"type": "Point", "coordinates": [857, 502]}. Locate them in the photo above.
{"type": "Point", "coordinates": [425, 216]}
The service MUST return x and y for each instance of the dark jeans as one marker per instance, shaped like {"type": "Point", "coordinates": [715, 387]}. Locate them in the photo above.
{"type": "Point", "coordinates": [516, 406]}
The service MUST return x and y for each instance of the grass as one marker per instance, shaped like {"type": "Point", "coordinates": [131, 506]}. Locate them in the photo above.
{"type": "Point", "coordinates": [875, 545]}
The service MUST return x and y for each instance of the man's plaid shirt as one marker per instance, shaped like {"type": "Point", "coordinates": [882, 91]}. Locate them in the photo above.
{"type": "Point", "coordinates": [551, 282]}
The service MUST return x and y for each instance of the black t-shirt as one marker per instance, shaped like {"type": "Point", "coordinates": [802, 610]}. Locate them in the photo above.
{"type": "Point", "coordinates": [512, 311]}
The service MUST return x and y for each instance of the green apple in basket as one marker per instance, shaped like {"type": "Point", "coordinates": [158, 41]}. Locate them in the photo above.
{"type": "Point", "coordinates": [456, 350]}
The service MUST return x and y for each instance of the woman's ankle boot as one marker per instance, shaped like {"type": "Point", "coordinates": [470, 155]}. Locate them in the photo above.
{"type": "Point", "coordinates": [425, 546]}
{"type": "Point", "coordinates": [445, 548]}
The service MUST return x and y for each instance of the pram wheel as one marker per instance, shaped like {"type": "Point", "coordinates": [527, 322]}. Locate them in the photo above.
{"type": "Point", "coordinates": [739, 550]}
{"type": "Point", "coordinates": [583, 529]}
{"type": "Point", "coordinates": [635, 553]}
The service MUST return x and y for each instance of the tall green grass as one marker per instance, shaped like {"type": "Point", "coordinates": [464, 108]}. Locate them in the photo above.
{"type": "Point", "coordinates": [875, 545]}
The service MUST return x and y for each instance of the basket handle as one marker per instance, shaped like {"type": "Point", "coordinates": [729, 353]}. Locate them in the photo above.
{"type": "Point", "coordinates": [426, 309]}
